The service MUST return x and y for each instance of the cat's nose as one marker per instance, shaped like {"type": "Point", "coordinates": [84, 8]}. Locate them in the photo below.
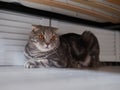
{"type": "Point", "coordinates": [47, 43]}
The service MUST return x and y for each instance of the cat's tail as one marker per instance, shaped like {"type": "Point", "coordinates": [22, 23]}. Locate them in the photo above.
{"type": "Point", "coordinates": [90, 39]}
{"type": "Point", "coordinates": [92, 47]}
{"type": "Point", "coordinates": [89, 36]}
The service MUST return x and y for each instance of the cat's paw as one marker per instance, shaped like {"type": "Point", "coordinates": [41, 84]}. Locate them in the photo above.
{"type": "Point", "coordinates": [30, 64]}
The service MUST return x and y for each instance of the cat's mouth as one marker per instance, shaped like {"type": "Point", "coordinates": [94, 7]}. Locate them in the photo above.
{"type": "Point", "coordinates": [47, 46]}
{"type": "Point", "coordinates": [43, 48]}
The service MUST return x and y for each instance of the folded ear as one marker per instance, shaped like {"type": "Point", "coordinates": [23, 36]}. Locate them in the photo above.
{"type": "Point", "coordinates": [34, 28]}
{"type": "Point", "coordinates": [54, 29]}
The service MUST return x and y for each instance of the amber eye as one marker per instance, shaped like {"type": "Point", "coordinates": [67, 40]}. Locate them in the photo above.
{"type": "Point", "coordinates": [53, 38]}
{"type": "Point", "coordinates": [41, 37]}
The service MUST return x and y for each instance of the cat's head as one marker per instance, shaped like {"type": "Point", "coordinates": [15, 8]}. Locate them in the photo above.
{"type": "Point", "coordinates": [44, 38]}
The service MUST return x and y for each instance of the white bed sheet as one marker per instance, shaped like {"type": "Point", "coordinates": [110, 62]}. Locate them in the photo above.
{"type": "Point", "coordinates": [18, 78]}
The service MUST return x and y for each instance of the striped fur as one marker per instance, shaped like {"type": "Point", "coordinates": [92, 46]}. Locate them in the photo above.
{"type": "Point", "coordinates": [66, 51]}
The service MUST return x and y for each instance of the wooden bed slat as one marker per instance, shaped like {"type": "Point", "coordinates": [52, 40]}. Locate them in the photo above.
{"type": "Point", "coordinates": [99, 5]}
{"type": "Point", "coordinates": [117, 2]}
{"type": "Point", "coordinates": [71, 7]}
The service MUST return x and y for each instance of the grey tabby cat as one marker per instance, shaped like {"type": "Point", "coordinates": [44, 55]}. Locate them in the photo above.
{"type": "Point", "coordinates": [45, 48]}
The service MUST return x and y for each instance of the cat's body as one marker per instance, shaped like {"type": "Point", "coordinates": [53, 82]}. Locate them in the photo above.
{"type": "Point", "coordinates": [68, 51]}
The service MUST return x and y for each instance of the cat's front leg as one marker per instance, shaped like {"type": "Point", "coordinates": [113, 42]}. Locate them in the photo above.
{"type": "Point", "coordinates": [36, 63]}
{"type": "Point", "coordinates": [86, 62]}
{"type": "Point", "coordinates": [31, 64]}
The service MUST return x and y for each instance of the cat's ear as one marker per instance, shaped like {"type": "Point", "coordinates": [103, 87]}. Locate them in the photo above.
{"type": "Point", "coordinates": [54, 29]}
{"type": "Point", "coordinates": [34, 28]}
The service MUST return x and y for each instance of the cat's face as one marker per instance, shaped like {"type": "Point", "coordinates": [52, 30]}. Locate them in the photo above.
{"type": "Point", "coordinates": [44, 38]}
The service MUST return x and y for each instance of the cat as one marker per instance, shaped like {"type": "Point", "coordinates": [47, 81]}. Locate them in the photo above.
{"type": "Point", "coordinates": [45, 48]}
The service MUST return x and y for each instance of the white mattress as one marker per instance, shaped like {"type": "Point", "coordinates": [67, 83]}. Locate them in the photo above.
{"type": "Point", "coordinates": [18, 78]}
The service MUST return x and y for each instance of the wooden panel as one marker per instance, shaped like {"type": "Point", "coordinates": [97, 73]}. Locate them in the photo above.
{"type": "Point", "coordinates": [13, 36]}
{"type": "Point", "coordinates": [15, 24]}
{"type": "Point", "coordinates": [14, 30]}
{"type": "Point", "coordinates": [13, 42]}
{"type": "Point", "coordinates": [14, 48]}
{"type": "Point", "coordinates": [117, 45]}
{"type": "Point", "coordinates": [114, 1]}
{"type": "Point", "coordinates": [99, 5]}
{"type": "Point", "coordinates": [25, 19]}
{"type": "Point", "coordinates": [107, 58]}
{"type": "Point", "coordinates": [13, 58]}
{"type": "Point", "coordinates": [71, 7]}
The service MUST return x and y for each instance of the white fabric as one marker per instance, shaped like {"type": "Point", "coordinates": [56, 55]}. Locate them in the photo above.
{"type": "Point", "coordinates": [14, 78]}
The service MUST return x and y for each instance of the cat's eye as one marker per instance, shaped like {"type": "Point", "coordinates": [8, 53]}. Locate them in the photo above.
{"type": "Point", "coordinates": [41, 37]}
{"type": "Point", "coordinates": [53, 38]}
